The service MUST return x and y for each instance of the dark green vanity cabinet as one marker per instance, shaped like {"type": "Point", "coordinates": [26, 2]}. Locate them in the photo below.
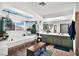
{"type": "Point", "coordinates": [67, 43]}
{"type": "Point", "coordinates": [57, 40]}
{"type": "Point", "coordinates": [47, 39]}
{"type": "Point", "coordinates": [64, 41]}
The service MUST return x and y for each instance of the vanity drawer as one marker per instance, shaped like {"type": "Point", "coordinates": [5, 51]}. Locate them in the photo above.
{"type": "Point", "coordinates": [67, 43]}
{"type": "Point", "coordinates": [50, 39]}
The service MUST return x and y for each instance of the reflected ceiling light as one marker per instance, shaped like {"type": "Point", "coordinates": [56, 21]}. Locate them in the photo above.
{"type": "Point", "coordinates": [16, 12]}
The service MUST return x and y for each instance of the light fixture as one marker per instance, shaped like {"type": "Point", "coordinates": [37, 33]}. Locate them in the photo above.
{"type": "Point", "coordinates": [42, 3]}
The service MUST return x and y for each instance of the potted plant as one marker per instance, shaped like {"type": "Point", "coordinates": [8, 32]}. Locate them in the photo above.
{"type": "Point", "coordinates": [33, 30]}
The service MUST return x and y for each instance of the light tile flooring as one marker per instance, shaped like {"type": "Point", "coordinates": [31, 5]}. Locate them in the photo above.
{"type": "Point", "coordinates": [55, 52]}
{"type": "Point", "coordinates": [58, 52]}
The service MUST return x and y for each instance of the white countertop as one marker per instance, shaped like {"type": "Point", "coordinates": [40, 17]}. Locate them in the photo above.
{"type": "Point", "coordinates": [54, 34]}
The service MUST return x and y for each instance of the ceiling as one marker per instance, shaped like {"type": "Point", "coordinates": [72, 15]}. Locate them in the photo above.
{"type": "Point", "coordinates": [51, 9]}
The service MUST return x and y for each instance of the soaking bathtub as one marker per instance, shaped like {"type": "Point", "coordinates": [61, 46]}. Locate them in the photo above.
{"type": "Point", "coordinates": [16, 38]}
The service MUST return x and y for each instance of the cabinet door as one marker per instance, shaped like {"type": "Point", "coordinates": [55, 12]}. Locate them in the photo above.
{"type": "Point", "coordinates": [44, 38]}
{"type": "Point", "coordinates": [57, 40]}
{"type": "Point", "coordinates": [66, 42]}
{"type": "Point", "coordinates": [49, 39]}
{"type": "Point", "coordinates": [52, 39]}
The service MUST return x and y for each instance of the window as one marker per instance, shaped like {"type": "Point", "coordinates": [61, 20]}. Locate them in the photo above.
{"type": "Point", "coordinates": [9, 25]}
{"type": "Point", "coordinates": [17, 12]}
{"type": "Point", "coordinates": [1, 24]}
{"type": "Point", "coordinates": [55, 28]}
{"type": "Point", "coordinates": [19, 25]}
{"type": "Point", "coordinates": [64, 28]}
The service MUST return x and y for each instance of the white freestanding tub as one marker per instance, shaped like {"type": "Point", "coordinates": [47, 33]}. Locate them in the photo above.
{"type": "Point", "coordinates": [17, 38]}
{"type": "Point", "coordinates": [3, 48]}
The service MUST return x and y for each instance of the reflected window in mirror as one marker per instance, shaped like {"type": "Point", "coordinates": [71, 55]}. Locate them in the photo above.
{"type": "Point", "coordinates": [64, 28]}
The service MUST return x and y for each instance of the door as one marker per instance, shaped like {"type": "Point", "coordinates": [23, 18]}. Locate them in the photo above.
{"type": "Point", "coordinates": [77, 32]}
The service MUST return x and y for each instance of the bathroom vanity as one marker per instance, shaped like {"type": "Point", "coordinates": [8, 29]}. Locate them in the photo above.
{"type": "Point", "coordinates": [55, 31]}
{"type": "Point", "coordinates": [57, 39]}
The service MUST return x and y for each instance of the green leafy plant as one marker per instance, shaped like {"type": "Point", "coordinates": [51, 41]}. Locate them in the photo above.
{"type": "Point", "coordinates": [33, 30]}
{"type": "Point", "coordinates": [3, 34]}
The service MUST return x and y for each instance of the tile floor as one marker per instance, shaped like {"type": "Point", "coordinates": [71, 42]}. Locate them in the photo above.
{"type": "Point", "coordinates": [55, 52]}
